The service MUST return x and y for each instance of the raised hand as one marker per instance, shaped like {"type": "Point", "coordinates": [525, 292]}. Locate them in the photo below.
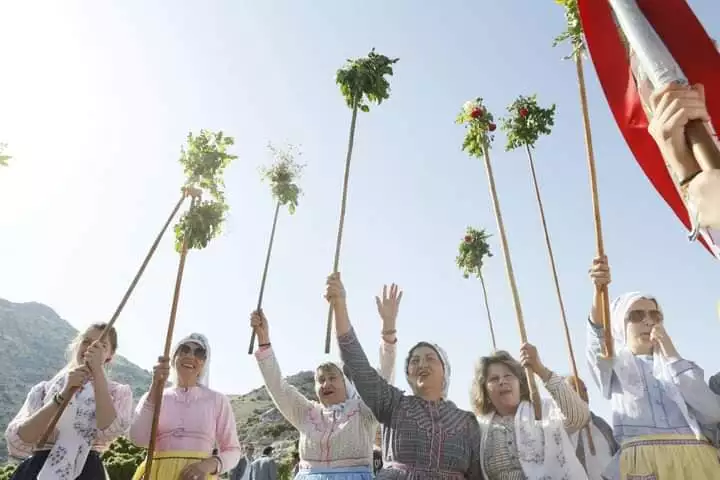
{"type": "Point", "coordinates": [661, 339]}
{"type": "Point", "coordinates": [77, 377]}
{"type": "Point", "coordinates": [259, 324]}
{"type": "Point", "coordinates": [529, 358]}
{"type": "Point", "coordinates": [388, 307]}
{"type": "Point", "coordinates": [335, 290]}
{"type": "Point", "coordinates": [673, 107]}
{"type": "Point", "coordinates": [161, 372]}
{"type": "Point", "coordinates": [600, 272]}
{"type": "Point", "coordinates": [95, 357]}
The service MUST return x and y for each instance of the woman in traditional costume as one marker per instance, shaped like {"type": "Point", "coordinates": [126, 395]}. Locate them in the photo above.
{"type": "Point", "coordinates": [515, 446]}
{"type": "Point", "coordinates": [100, 411]}
{"type": "Point", "coordinates": [425, 436]}
{"type": "Point", "coordinates": [194, 419]}
{"type": "Point", "coordinates": [338, 432]}
{"type": "Point", "coordinates": [661, 403]}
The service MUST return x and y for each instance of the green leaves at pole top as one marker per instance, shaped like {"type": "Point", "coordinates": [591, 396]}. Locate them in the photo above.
{"type": "Point", "coordinates": [526, 121]}
{"type": "Point", "coordinates": [472, 251]}
{"type": "Point", "coordinates": [573, 32]}
{"type": "Point", "coordinates": [204, 160]}
{"type": "Point", "coordinates": [362, 80]}
{"type": "Point", "coordinates": [283, 175]}
{"type": "Point", "coordinates": [3, 157]}
{"type": "Point", "coordinates": [479, 126]}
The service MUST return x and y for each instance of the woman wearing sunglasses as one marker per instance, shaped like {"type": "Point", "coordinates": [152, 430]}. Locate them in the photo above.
{"type": "Point", "coordinates": [662, 407]}
{"type": "Point", "coordinates": [194, 420]}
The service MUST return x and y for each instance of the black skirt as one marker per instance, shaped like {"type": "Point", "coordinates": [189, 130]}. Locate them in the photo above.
{"type": "Point", "coordinates": [30, 467]}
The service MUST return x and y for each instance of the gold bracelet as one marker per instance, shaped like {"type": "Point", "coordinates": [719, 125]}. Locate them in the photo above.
{"type": "Point", "coordinates": [389, 332]}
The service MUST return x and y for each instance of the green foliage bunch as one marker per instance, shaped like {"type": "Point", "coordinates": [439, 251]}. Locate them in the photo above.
{"type": "Point", "coordinates": [472, 252]}
{"type": "Point", "coordinates": [573, 33]}
{"type": "Point", "coordinates": [4, 159]}
{"type": "Point", "coordinates": [283, 175]}
{"type": "Point", "coordinates": [479, 127]}
{"type": "Point", "coordinates": [526, 121]}
{"type": "Point", "coordinates": [362, 80]}
{"type": "Point", "coordinates": [122, 459]}
{"type": "Point", "coordinates": [204, 160]}
{"type": "Point", "coordinates": [6, 471]}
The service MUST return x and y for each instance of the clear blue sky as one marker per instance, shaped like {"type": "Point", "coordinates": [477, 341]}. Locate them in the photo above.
{"type": "Point", "coordinates": [97, 98]}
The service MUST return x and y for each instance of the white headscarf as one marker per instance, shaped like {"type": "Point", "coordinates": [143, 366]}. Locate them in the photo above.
{"type": "Point", "coordinates": [351, 392]}
{"type": "Point", "coordinates": [443, 359]}
{"type": "Point", "coordinates": [626, 368]}
{"type": "Point", "coordinates": [201, 340]}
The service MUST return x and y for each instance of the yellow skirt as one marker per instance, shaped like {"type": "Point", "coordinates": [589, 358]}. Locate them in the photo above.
{"type": "Point", "coordinates": [168, 465]}
{"type": "Point", "coordinates": [669, 457]}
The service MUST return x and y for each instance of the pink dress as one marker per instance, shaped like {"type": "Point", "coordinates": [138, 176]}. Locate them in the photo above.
{"type": "Point", "coordinates": [191, 420]}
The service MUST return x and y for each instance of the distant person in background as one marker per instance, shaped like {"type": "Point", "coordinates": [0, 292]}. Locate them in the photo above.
{"type": "Point", "coordinates": [377, 459]}
{"type": "Point", "coordinates": [295, 463]}
{"type": "Point", "coordinates": [602, 435]}
{"type": "Point", "coordinates": [193, 421]}
{"type": "Point", "coordinates": [99, 412]}
{"type": "Point", "coordinates": [264, 468]}
{"type": "Point", "coordinates": [242, 470]}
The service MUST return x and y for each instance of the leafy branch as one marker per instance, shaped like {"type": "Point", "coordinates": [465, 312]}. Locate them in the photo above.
{"type": "Point", "coordinates": [283, 175]}
{"type": "Point", "coordinates": [479, 126]}
{"type": "Point", "coordinates": [362, 80]}
{"type": "Point", "coordinates": [526, 122]}
{"type": "Point", "coordinates": [573, 33]}
{"type": "Point", "coordinates": [4, 159]}
{"type": "Point", "coordinates": [472, 252]}
{"type": "Point", "coordinates": [204, 160]}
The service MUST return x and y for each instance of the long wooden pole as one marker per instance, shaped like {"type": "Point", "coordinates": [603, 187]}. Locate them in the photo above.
{"type": "Point", "coordinates": [556, 281]}
{"type": "Point", "coordinates": [602, 292]}
{"type": "Point", "coordinates": [66, 401]}
{"type": "Point", "coordinates": [341, 224]}
{"type": "Point", "coordinates": [532, 386]}
{"type": "Point", "coordinates": [157, 393]}
{"type": "Point", "coordinates": [487, 309]}
{"type": "Point", "coordinates": [265, 271]}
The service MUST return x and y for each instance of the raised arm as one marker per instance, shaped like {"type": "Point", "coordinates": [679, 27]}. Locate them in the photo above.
{"type": "Point", "coordinates": [122, 401]}
{"type": "Point", "coordinates": [388, 306]}
{"type": "Point", "coordinates": [21, 446]}
{"type": "Point", "coordinates": [37, 412]}
{"type": "Point", "coordinates": [227, 442]}
{"type": "Point", "coordinates": [576, 413]}
{"type": "Point", "coordinates": [289, 401]}
{"type": "Point", "coordinates": [689, 378]}
{"type": "Point", "coordinates": [601, 368]}
{"type": "Point", "coordinates": [142, 420]}
{"type": "Point", "coordinates": [381, 397]}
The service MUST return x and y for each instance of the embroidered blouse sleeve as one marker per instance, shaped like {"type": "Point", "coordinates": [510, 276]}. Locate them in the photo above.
{"type": "Point", "coordinates": [292, 404]}
{"type": "Point", "coordinates": [381, 397]}
{"type": "Point", "coordinates": [123, 402]}
{"type": "Point", "coordinates": [226, 436]}
{"type": "Point", "coordinates": [600, 368]}
{"type": "Point", "coordinates": [690, 379]}
{"type": "Point", "coordinates": [575, 411]}
{"type": "Point", "coordinates": [33, 402]}
{"type": "Point", "coordinates": [142, 422]}
{"type": "Point", "coordinates": [388, 354]}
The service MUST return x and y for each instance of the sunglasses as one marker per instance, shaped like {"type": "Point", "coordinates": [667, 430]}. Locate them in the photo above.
{"type": "Point", "coordinates": [199, 352]}
{"type": "Point", "coordinates": [637, 316]}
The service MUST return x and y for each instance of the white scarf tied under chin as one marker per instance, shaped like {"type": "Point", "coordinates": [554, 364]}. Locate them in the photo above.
{"type": "Point", "coordinates": [77, 429]}
{"type": "Point", "coordinates": [627, 370]}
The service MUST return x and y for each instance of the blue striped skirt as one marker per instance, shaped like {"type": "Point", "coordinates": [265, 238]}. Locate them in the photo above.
{"type": "Point", "coordinates": [339, 473]}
